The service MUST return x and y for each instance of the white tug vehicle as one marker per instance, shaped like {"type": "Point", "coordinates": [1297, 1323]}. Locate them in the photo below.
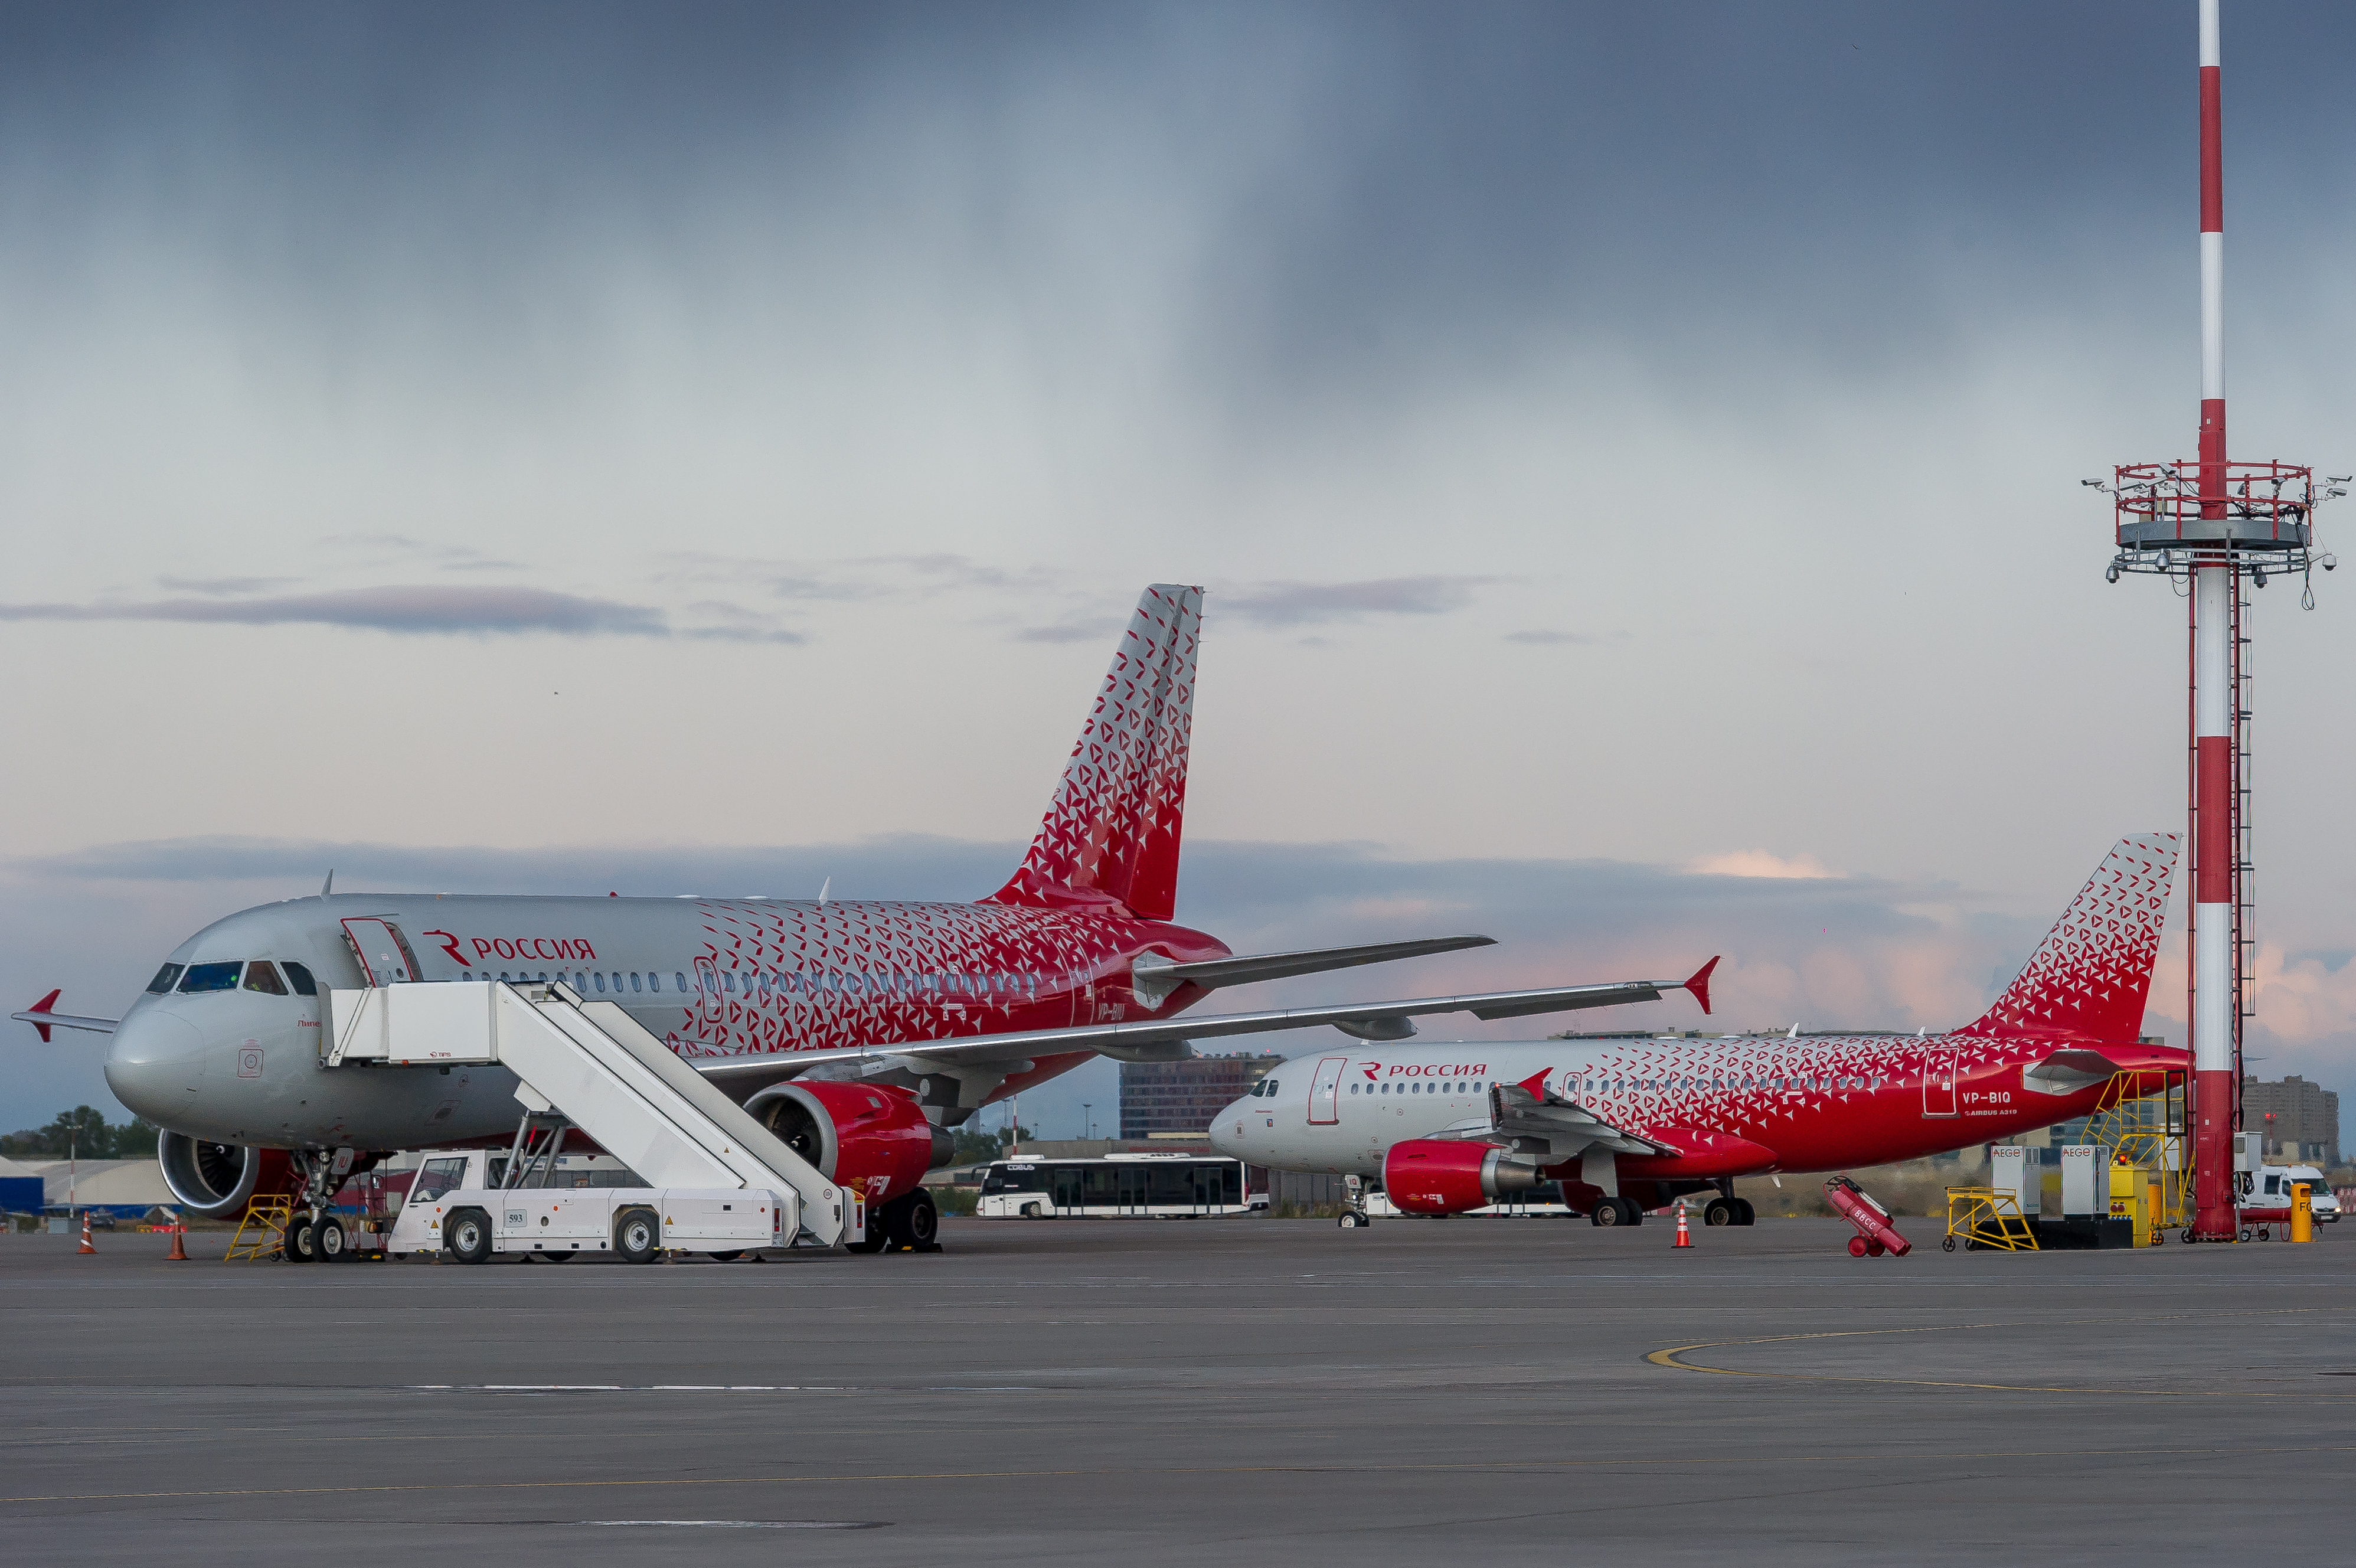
{"type": "Point", "coordinates": [454, 1205]}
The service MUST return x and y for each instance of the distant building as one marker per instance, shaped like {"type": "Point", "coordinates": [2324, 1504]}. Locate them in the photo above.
{"type": "Point", "coordinates": [2300, 1121]}
{"type": "Point", "coordinates": [1159, 1099]}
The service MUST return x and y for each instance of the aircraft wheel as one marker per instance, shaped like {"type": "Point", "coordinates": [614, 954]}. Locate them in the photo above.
{"type": "Point", "coordinates": [1718, 1211]}
{"type": "Point", "coordinates": [913, 1222]}
{"type": "Point", "coordinates": [327, 1240]}
{"type": "Point", "coordinates": [638, 1236]}
{"type": "Point", "coordinates": [468, 1234]}
{"type": "Point", "coordinates": [1744, 1212]}
{"type": "Point", "coordinates": [298, 1241]}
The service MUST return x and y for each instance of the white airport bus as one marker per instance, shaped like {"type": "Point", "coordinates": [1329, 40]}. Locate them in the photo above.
{"type": "Point", "coordinates": [1117, 1186]}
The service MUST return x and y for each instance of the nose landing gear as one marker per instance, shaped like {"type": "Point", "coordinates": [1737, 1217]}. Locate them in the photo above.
{"type": "Point", "coordinates": [312, 1234]}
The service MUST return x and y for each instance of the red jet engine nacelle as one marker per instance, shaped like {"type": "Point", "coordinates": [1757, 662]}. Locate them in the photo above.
{"type": "Point", "coordinates": [1433, 1176]}
{"type": "Point", "coordinates": [867, 1137]}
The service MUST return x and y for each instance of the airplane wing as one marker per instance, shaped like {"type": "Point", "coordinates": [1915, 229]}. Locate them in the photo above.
{"type": "Point", "coordinates": [1516, 1111]}
{"type": "Point", "coordinates": [1154, 977]}
{"type": "Point", "coordinates": [41, 1018]}
{"type": "Point", "coordinates": [1166, 1038]}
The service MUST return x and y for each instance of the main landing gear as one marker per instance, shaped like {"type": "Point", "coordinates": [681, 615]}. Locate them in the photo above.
{"type": "Point", "coordinates": [909, 1223]}
{"type": "Point", "coordinates": [1615, 1211]}
{"type": "Point", "coordinates": [1729, 1211]}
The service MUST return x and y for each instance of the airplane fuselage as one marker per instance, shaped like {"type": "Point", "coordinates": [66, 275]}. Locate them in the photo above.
{"type": "Point", "coordinates": [1734, 1105]}
{"type": "Point", "coordinates": [240, 1063]}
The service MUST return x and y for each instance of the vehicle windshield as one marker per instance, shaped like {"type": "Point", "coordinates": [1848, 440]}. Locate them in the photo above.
{"type": "Point", "coordinates": [436, 1177]}
{"type": "Point", "coordinates": [210, 977]}
{"type": "Point", "coordinates": [164, 980]}
{"type": "Point", "coordinates": [1014, 1178]}
{"type": "Point", "coordinates": [261, 977]}
{"type": "Point", "coordinates": [300, 977]}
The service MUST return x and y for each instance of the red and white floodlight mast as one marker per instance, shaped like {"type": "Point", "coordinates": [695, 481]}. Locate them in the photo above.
{"type": "Point", "coordinates": [2216, 1065]}
{"type": "Point", "coordinates": [2208, 521]}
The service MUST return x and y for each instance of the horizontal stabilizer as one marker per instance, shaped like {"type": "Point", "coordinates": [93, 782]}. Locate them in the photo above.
{"type": "Point", "coordinates": [2065, 1072]}
{"type": "Point", "coordinates": [41, 1018]}
{"type": "Point", "coordinates": [749, 1072]}
{"type": "Point", "coordinates": [1154, 977]}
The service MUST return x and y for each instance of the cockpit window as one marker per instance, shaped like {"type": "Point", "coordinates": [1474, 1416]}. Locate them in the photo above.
{"type": "Point", "coordinates": [300, 978]}
{"type": "Point", "coordinates": [260, 976]}
{"type": "Point", "coordinates": [210, 977]}
{"type": "Point", "coordinates": [165, 977]}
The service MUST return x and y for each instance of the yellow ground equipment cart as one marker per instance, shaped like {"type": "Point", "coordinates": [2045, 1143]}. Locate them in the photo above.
{"type": "Point", "coordinates": [2140, 1116]}
{"type": "Point", "coordinates": [1982, 1217]}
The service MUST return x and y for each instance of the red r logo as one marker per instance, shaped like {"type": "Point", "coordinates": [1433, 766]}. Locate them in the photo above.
{"type": "Point", "coordinates": [450, 946]}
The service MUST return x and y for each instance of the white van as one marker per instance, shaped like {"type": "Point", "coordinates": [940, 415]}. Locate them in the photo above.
{"type": "Point", "coordinates": [2266, 1200]}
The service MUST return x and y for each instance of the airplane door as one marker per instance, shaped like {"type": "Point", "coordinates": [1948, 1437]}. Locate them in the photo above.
{"type": "Point", "coordinates": [707, 992]}
{"type": "Point", "coordinates": [1325, 1090]}
{"type": "Point", "coordinates": [385, 958]}
{"type": "Point", "coordinates": [1939, 1081]}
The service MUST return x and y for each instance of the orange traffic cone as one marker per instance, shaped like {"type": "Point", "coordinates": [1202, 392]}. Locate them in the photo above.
{"type": "Point", "coordinates": [180, 1252]}
{"type": "Point", "coordinates": [85, 1232]}
{"type": "Point", "coordinates": [1685, 1237]}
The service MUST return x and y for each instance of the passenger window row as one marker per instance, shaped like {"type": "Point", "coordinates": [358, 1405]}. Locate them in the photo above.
{"type": "Point", "coordinates": [1628, 1085]}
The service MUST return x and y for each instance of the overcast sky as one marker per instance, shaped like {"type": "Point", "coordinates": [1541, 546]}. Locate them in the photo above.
{"type": "Point", "coordinates": [1628, 450]}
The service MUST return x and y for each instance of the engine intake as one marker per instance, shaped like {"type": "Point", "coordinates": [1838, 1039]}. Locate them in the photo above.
{"type": "Point", "coordinates": [214, 1181]}
{"type": "Point", "coordinates": [1432, 1175]}
{"type": "Point", "coordinates": [869, 1136]}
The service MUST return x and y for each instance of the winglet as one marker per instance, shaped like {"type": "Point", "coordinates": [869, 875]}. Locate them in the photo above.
{"type": "Point", "coordinates": [43, 1006]}
{"type": "Point", "coordinates": [1699, 985]}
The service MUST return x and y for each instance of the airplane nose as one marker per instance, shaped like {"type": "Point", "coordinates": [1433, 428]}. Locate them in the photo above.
{"type": "Point", "coordinates": [155, 1064]}
{"type": "Point", "coordinates": [1218, 1125]}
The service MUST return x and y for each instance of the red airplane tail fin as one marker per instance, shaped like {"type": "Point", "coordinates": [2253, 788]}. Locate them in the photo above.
{"type": "Point", "coordinates": [1110, 835]}
{"type": "Point", "coordinates": [2093, 972]}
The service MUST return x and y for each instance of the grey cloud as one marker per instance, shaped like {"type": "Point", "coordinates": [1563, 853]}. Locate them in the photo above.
{"type": "Point", "coordinates": [222, 585]}
{"type": "Point", "coordinates": [434, 610]}
{"type": "Point", "coordinates": [1544, 638]}
{"type": "Point", "coordinates": [1309, 604]}
{"type": "Point", "coordinates": [1076, 631]}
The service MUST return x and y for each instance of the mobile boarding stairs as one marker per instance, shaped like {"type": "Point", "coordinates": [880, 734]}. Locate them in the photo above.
{"type": "Point", "coordinates": [598, 1069]}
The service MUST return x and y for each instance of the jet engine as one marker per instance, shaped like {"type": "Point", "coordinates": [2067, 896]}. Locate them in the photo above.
{"type": "Point", "coordinates": [1432, 1175]}
{"type": "Point", "coordinates": [213, 1181]}
{"type": "Point", "coordinates": [869, 1136]}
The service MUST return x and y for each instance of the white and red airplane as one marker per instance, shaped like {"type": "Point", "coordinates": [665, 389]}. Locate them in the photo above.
{"type": "Point", "coordinates": [858, 1030]}
{"type": "Point", "coordinates": [1628, 1125]}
